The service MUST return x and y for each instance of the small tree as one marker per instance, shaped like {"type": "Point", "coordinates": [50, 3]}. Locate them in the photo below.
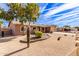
{"type": "Point", "coordinates": [1, 22]}
{"type": "Point", "coordinates": [27, 13]}
{"type": "Point", "coordinates": [77, 28]}
{"type": "Point", "coordinates": [31, 13]}
{"type": "Point", "coordinates": [67, 28]}
{"type": "Point", "coordinates": [2, 13]}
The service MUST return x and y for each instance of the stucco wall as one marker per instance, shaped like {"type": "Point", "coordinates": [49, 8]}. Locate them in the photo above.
{"type": "Point", "coordinates": [12, 27]}
{"type": "Point", "coordinates": [53, 28]}
{"type": "Point", "coordinates": [18, 29]}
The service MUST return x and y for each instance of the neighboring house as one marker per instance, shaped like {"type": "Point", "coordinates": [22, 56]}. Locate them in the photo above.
{"type": "Point", "coordinates": [61, 29]}
{"type": "Point", "coordinates": [18, 29]}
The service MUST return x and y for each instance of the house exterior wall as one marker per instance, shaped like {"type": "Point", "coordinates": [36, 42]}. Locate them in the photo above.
{"type": "Point", "coordinates": [16, 28]}
{"type": "Point", "coordinates": [12, 27]}
{"type": "Point", "coordinates": [53, 28]}
{"type": "Point", "coordinates": [47, 29]}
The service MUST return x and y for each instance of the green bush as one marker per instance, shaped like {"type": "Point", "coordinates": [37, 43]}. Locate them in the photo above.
{"type": "Point", "coordinates": [38, 34]}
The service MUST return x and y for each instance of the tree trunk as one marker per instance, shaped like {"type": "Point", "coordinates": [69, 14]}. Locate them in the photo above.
{"type": "Point", "coordinates": [28, 35]}
{"type": "Point", "coordinates": [23, 29]}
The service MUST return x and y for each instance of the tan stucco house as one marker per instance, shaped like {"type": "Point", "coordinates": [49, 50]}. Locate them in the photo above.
{"type": "Point", "coordinates": [17, 28]}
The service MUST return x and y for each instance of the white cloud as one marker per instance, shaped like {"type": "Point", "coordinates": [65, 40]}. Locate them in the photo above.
{"type": "Point", "coordinates": [61, 8]}
{"type": "Point", "coordinates": [54, 6]}
{"type": "Point", "coordinates": [69, 20]}
{"type": "Point", "coordinates": [42, 8]}
{"type": "Point", "coordinates": [74, 21]}
{"type": "Point", "coordinates": [66, 15]}
{"type": "Point", "coordinates": [76, 10]}
{"type": "Point", "coordinates": [65, 20]}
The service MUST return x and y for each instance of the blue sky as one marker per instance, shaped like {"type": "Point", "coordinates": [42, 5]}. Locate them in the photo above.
{"type": "Point", "coordinates": [56, 14]}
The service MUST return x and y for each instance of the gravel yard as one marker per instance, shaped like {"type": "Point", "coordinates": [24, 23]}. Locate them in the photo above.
{"type": "Point", "coordinates": [49, 47]}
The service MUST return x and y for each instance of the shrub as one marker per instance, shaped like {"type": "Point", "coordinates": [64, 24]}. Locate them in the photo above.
{"type": "Point", "coordinates": [38, 34]}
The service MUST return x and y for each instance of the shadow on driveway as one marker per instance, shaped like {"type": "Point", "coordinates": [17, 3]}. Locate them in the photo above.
{"type": "Point", "coordinates": [15, 51]}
